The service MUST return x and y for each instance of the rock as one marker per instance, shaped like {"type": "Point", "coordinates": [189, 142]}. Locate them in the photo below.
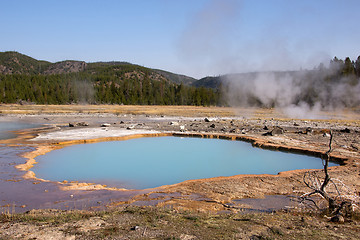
{"type": "Point", "coordinates": [346, 130]}
{"type": "Point", "coordinates": [212, 125]}
{"type": "Point", "coordinates": [234, 130]}
{"type": "Point", "coordinates": [182, 128]}
{"type": "Point", "coordinates": [122, 122]}
{"type": "Point", "coordinates": [266, 128]}
{"type": "Point", "coordinates": [82, 124]}
{"type": "Point", "coordinates": [130, 127]}
{"type": "Point", "coordinates": [135, 228]}
{"type": "Point", "coordinates": [308, 130]}
{"type": "Point", "coordinates": [326, 135]}
{"type": "Point", "coordinates": [105, 125]}
{"type": "Point", "coordinates": [207, 120]}
{"type": "Point", "coordinates": [174, 123]}
{"type": "Point", "coordinates": [337, 219]}
{"type": "Point", "coordinates": [276, 131]}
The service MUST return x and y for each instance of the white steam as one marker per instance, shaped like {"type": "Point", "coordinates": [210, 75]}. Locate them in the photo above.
{"type": "Point", "coordinates": [301, 94]}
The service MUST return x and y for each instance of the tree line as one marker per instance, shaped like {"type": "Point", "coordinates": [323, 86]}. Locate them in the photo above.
{"type": "Point", "coordinates": [105, 87]}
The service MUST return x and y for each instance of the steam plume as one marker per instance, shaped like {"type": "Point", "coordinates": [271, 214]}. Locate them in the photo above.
{"type": "Point", "coordinates": [300, 94]}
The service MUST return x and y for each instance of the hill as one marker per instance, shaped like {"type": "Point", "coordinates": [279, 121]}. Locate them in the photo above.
{"type": "Point", "coordinates": [17, 63]}
{"type": "Point", "coordinates": [27, 80]}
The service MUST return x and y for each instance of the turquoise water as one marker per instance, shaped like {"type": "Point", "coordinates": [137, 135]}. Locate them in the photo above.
{"type": "Point", "coordinates": [151, 162]}
{"type": "Point", "coordinates": [6, 128]}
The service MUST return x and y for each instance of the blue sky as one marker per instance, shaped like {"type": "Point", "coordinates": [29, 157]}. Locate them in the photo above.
{"type": "Point", "coordinates": [193, 37]}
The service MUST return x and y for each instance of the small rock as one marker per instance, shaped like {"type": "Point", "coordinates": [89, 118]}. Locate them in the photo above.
{"type": "Point", "coordinates": [105, 125]}
{"type": "Point", "coordinates": [182, 128]}
{"type": "Point", "coordinates": [122, 122]}
{"type": "Point", "coordinates": [72, 124]}
{"type": "Point", "coordinates": [308, 130]}
{"type": "Point", "coordinates": [207, 120]}
{"type": "Point", "coordinates": [276, 131]}
{"type": "Point", "coordinates": [135, 228]}
{"type": "Point", "coordinates": [346, 130]}
{"type": "Point", "coordinates": [130, 127]}
{"type": "Point", "coordinates": [83, 124]}
{"type": "Point", "coordinates": [266, 128]}
{"type": "Point", "coordinates": [174, 123]}
{"type": "Point", "coordinates": [234, 130]}
{"type": "Point", "coordinates": [212, 125]}
{"type": "Point", "coordinates": [337, 219]}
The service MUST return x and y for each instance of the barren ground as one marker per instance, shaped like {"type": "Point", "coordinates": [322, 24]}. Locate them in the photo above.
{"type": "Point", "coordinates": [195, 209]}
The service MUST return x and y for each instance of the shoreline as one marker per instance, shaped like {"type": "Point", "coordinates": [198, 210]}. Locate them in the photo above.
{"type": "Point", "coordinates": [220, 189]}
{"type": "Point", "coordinates": [75, 185]}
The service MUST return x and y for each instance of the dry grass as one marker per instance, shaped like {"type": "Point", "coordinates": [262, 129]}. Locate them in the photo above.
{"type": "Point", "coordinates": [160, 223]}
{"type": "Point", "coordinates": [117, 109]}
{"type": "Point", "coordinates": [185, 111]}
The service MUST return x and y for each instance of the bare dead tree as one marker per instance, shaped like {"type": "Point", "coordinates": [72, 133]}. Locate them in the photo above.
{"type": "Point", "coordinates": [335, 193]}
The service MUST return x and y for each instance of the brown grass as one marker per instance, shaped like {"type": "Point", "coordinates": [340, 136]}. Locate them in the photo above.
{"type": "Point", "coordinates": [185, 111]}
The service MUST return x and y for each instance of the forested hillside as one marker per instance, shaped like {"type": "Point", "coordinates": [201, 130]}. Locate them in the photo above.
{"type": "Point", "coordinates": [27, 80]}
{"type": "Point", "coordinates": [24, 79]}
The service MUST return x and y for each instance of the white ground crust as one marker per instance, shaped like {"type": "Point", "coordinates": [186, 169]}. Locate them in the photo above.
{"type": "Point", "coordinates": [90, 133]}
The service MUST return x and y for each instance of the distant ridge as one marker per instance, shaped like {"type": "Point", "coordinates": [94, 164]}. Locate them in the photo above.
{"type": "Point", "coordinates": [26, 80]}
{"type": "Point", "coordinates": [12, 62]}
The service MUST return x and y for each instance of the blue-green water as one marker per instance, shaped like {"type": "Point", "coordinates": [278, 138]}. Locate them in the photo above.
{"type": "Point", "coordinates": [6, 128]}
{"type": "Point", "coordinates": [151, 162]}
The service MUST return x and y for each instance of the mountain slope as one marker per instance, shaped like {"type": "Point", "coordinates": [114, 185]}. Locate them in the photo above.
{"type": "Point", "coordinates": [17, 63]}
{"type": "Point", "coordinates": [27, 80]}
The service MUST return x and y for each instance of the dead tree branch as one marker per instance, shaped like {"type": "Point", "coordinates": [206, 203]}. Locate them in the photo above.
{"type": "Point", "coordinates": [334, 192]}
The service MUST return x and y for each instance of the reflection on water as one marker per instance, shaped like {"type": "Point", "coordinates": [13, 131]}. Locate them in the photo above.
{"type": "Point", "coordinates": [152, 162]}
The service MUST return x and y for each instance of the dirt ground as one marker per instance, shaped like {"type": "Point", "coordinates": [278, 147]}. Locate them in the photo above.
{"type": "Point", "coordinates": [207, 200]}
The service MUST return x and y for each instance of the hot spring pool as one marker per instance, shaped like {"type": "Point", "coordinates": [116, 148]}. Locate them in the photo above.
{"type": "Point", "coordinates": [152, 162]}
{"type": "Point", "coordinates": [7, 128]}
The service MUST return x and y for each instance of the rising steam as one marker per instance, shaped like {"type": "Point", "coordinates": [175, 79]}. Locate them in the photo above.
{"type": "Point", "coordinates": [297, 94]}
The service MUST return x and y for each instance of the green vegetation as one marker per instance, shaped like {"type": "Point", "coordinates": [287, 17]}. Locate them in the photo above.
{"type": "Point", "coordinates": [71, 82]}
{"type": "Point", "coordinates": [24, 79]}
